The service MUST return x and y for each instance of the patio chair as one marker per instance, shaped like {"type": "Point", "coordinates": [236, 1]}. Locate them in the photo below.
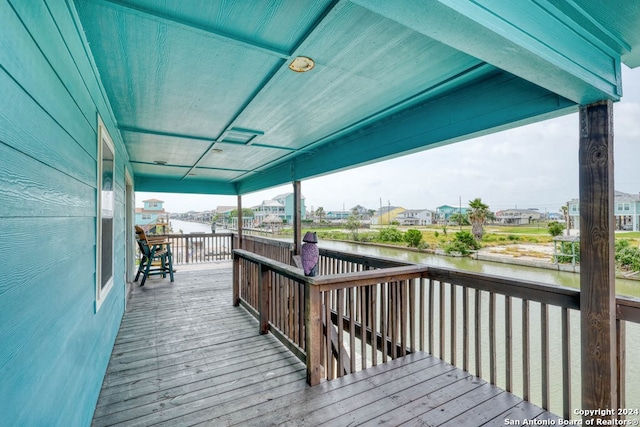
{"type": "Point", "coordinates": [156, 256]}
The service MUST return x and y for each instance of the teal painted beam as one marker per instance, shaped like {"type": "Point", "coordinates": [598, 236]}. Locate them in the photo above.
{"type": "Point", "coordinates": [187, 185]}
{"type": "Point", "coordinates": [497, 102]}
{"type": "Point", "coordinates": [528, 41]}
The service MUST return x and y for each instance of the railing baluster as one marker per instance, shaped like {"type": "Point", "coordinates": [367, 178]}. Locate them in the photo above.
{"type": "Point", "coordinates": [566, 364]}
{"type": "Point", "coordinates": [263, 304]}
{"type": "Point", "coordinates": [352, 329]}
{"type": "Point", "coordinates": [374, 334]}
{"type": "Point", "coordinates": [412, 314]}
{"type": "Point", "coordinates": [544, 344]}
{"type": "Point", "coordinates": [402, 310]}
{"type": "Point", "coordinates": [441, 326]}
{"type": "Point", "coordinates": [431, 316]}
{"type": "Point", "coordinates": [340, 298]}
{"type": "Point", "coordinates": [525, 350]}
{"type": "Point", "coordinates": [508, 329]}
{"type": "Point", "coordinates": [328, 326]}
{"type": "Point", "coordinates": [621, 362]}
{"type": "Point", "coordinates": [363, 328]}
{"type": "Point", "coordinates": [492, 338]}
{"type": "Point", "coordinates": [393, 319]}
{"type": "Point", "coordinates": [384, 319]}
{"type": "Point", "coordinates": [454, 323]}
{"type": "Point", "coordinates": [465, 328]}
{"type": "Point", "coordinates": [421, 283]}
{"type": "Point", "coordinates": [478, 333]}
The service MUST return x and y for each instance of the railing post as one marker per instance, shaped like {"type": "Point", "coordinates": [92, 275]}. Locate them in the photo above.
{"type": "Point", "coordinates": [264, 282]}
{"type": "Point", "coordinates": [313, 328]}
{"type": "Point", "coordinates": [236, 279]}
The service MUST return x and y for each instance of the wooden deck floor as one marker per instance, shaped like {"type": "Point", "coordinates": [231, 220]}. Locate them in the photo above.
{"type": "Point", "coordinates": [185, 356]}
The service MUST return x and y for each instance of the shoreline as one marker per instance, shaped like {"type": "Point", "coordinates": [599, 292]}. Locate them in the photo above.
{"type": "Point", "coordinates": [496, 258]}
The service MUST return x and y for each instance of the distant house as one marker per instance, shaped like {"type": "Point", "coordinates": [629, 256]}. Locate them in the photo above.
{"type": "Point", "coordinates": [386, 215]}
{"type": "Point", "coordinates": [280, 206]}
{"type": "Point", "coordinates": [266, 209]}
{"type": "Point", "coordinates": [626, 210]}
{"type": "Point", "coordinates": [151, 213]}
{"type": "Point", "coordinates": [360, 211]}
{"type": "Point", "coordinates": [337, 215]}
{"type": "Point", "coordinates": [555, 216]}
{"type": "Point", "coordinates": [415, 217]}
{"type": "Point", "coordinates": [444, 212]}
{"type": "Point", "coordinates": [517, 216]}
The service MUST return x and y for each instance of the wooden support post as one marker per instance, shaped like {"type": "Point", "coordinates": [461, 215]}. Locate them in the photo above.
{"type": "Point", "coordinates": [236, 280]}
{"type": "Point", "coordinates": [264, 286]}
{"type": "Point", "coordinates": [597, 273]}
{"type": "Point", "coordinates": [313, 330]}
{"type": "Point", "coordinates": [240, 245]}
{"type": "Point", "coordinates": [297, 217]}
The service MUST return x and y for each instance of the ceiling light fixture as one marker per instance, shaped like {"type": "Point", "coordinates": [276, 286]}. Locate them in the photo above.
{"type": "Point", "coordinates": [160, 162]}
{"type": "Point", "coordinates": [216, 150]}
{"type": "Point", "coordinates": [301, 64]}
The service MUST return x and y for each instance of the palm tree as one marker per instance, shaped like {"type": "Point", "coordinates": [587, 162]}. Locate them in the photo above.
{"type": "Point", "coordinates": [565, 212]}
{"type": "Point", "coordinates": [320, 213]}
{"type": "Point", "coordinates": [478, 214]}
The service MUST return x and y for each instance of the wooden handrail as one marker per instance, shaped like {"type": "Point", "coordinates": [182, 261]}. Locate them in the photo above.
{"type": "Point", "coordinates": [198, 247]}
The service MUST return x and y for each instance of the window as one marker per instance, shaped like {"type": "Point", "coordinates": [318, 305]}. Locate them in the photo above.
{"type": "Point", "coordinates": [105, 215]}
{"type": "Point", "coordinates": [146, 217]}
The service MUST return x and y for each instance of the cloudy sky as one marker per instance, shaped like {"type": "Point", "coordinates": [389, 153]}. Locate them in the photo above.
{"type": "Point", "coordinates": [534, 166]}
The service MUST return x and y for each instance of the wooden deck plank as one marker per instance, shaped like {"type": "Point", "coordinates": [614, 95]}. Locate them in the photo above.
{"type": "Point", "coordinates": [185, 356]}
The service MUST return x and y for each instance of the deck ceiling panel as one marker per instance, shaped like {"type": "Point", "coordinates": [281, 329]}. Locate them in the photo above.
{"type": "Point", "coordinates": [162, 77]}
{"type": "Point", "coordinates": [149, 148]}
{"type": "Point", "coordinates": [363, 63]}
{"type": "Point", "coordinates": [212, 173]}
{"type": "Point", "coordinates": [253, 157]}
{"type": "Point", "coordinates": [188, 79]}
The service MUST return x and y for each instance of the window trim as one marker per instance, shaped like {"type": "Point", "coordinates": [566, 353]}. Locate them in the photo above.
{"type": "Point", "coordinates": [102, 292]}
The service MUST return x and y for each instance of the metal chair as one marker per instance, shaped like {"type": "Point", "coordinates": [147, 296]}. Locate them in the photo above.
{"type": "Point", "coordinates": [156, 256]}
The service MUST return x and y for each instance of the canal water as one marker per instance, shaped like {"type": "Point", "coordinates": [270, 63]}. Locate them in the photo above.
{"type": "Point", "coordinates": [552, 277]}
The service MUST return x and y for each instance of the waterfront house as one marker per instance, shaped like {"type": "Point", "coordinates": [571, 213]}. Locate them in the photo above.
{"type": "Point", "coordinates": [337, 215]}
{"type": "Point", "coordinates": [444, 212]}
{"type": "Point", "coordinates": [626, 211]}
{"type": "Point", "coordinates": [281, 206]}
{"type": "Point", "coordinates": [517, 216]}
{"type": "Point", "coordinates": [149, 213]}
{"type": "Point", "coordinates": [386, 215]}
{"type": "Point", "coordinates": [415, 217]}
{"type": "Point", "coordinates": [103, 98]}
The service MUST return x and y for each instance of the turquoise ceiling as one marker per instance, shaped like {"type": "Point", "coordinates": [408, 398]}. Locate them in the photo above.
{"type": "Point", "coordinates": [205, 101]}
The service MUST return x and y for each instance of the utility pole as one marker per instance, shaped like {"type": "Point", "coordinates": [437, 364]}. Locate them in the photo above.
{"type": "Point", "coordinates": [389, 213]}
{"type": "Point", "coordinates": [460, 212]}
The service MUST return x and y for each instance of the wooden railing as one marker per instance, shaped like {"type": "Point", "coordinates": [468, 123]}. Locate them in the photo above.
{"type": "Point", "coordinates": [273, 249]}
{"type": "Point", "coordinates": [200, 247]}
{"type": "Point", "coordinates": [363, 310]}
